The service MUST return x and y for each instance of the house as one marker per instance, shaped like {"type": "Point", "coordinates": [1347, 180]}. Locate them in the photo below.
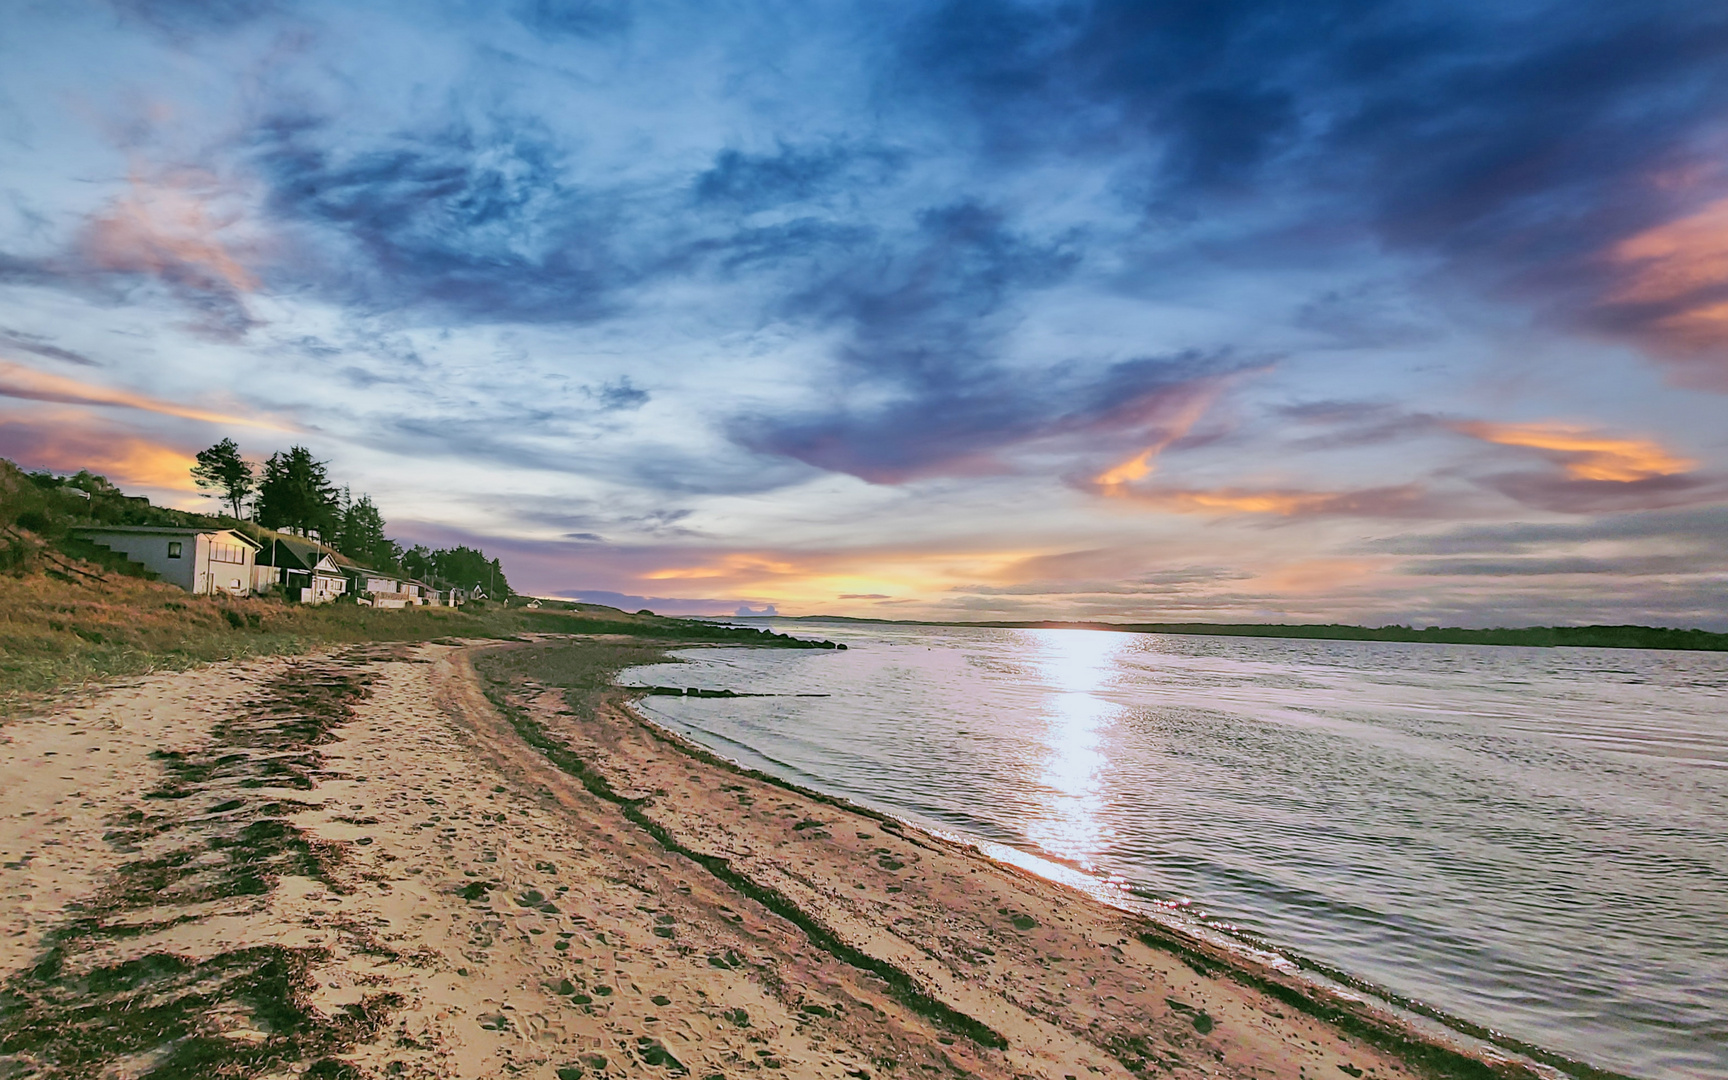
{"type": "Point", "coordinates": [201, 561]}
{"type": "Point", "coordinates": [304, 568]}
{"type": "Point", "coordinates": [386, 589]}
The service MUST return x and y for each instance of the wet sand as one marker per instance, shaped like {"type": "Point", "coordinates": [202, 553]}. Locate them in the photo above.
{"type": "Point", "coordinates": [361, 865]}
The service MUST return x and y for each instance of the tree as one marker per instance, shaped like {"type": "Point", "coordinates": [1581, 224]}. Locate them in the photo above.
{"type": "Point", "coordinates": [221, 467]}
{"type": "Point", "coordinates": [417, 563]}
{"type": "Point", "coordinates": [295, 493]}
{"type": "Point", "coordinates": [467, 568]}
{"type": "Point", "coordinates": [360, 536]}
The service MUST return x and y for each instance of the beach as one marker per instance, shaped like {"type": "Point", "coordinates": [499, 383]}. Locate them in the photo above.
{"type": "Point", "coordinates": [466, 859]}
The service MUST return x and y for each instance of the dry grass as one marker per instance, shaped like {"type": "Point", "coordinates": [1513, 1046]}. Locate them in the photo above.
{"type": "Point", "coordinates": [61, 632]}
{"type": "Point", "coordinates": [76, 623]}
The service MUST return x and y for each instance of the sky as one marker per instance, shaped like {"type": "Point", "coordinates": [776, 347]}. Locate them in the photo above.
{"type": "Point", "coordinates": [1341, 310]}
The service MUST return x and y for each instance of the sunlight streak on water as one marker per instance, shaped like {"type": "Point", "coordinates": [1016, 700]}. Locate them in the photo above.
{"type": "Point", "coordinates": [1533, 839]}
{"type": "Point", "coordinates": [1076, 666]}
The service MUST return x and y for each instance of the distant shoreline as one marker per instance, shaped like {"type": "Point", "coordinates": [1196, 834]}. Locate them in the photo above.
{"type": "Point", "coordinates": [1599, 637]}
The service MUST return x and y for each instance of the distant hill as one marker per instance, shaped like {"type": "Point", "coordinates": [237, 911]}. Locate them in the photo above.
{"type": "Point", "coordinates": [1599, 637]}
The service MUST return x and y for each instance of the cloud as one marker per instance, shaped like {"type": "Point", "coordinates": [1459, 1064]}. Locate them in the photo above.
{"type": "Point", "coordinates": [734, 565]}
{"type": "Point", "coordinates": [864, 596]}
{"type": "Point", "coordinates": [745, 611]}
{"type": "Point", "coordinates": [955, 418]}
{"type": "Point", "coordinates": [923, 390]}
{"type": "Point", "coordinates": [1626, 566]}
{"type": "Point", "coordinates": [1672, 288]}
{"type": "Point", "coordinates": [750, 182]}
{"type": "Point", "coordinates": [619, 395]}
{"type": "Point", "coordinates": [1564, 495]}
{"type": "Point", "coordinates": [478, 220]}
{"type": "Point", "coordinates": [68, 443]}
{"type": "Point", "coordinates": [1599, 472]}
{"type": "Point", "coordinates": [182, 18]}
{"type": "Point", "coordinates": [34, 343]}
{"type": "Point", "coordinates": [1585, 454]}
{"type": "Point", "coordinates": [17, 381]}
{"type": "Point", "coordinates": [1511, 147]}
{"type": "Point", "coordinates": [1403, 500]}
{"type": "Point", "coordinates": [1691, 529]}
{"type": "Point", "coordinates": [1114, 481]}
{"type": "Point", "coordinates": [1356, 423]}
{"type": "Point", "coordinates": [1363, 317]}
{"type": "Point", "coordinates": [169, 229]}
{"type": "Point", "coordinates": [660, 605]}
{"type": "Point", "coordinates": [574, 18]}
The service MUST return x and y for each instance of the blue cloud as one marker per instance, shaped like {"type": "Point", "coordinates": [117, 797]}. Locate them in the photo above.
{"type": "Point", "coordinates": [480, 223]}
{"type": "Point", "coordinates": [179, 18]}
{"type": "Point", "coordinates": [620, 395]}
{"type": "Point", "coordinates": [793, 174]}
{"type": "Point", "coordinates": [1513, 141]}
{"type": "Point", "coordinates": [953, 418]}
{"type": "Point", "coordinates": [574, 18]}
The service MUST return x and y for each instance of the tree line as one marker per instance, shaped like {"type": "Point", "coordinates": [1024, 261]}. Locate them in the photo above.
{"type": "Point", "coordinates": [292, 492]}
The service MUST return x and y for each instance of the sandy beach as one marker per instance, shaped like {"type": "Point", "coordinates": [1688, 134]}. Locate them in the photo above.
{"type": "Point", "coordinates": [385, 862]}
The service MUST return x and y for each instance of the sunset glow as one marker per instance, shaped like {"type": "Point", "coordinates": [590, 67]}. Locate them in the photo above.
{"type": "Point", "coordinates": [1586, 454]}
{"type": "Point", "coordinates": [974, 311]}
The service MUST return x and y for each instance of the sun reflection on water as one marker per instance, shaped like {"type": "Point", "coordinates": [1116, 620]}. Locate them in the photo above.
{"type": "Point", "coordinates": [1074, 665]}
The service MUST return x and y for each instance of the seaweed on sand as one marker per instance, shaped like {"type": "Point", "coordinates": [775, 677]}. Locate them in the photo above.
{"type": "Point", "coordinates": [101, 998]}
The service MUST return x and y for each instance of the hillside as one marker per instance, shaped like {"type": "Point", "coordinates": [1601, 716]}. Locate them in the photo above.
{"type": "Point", "coordinates": [72, 613]}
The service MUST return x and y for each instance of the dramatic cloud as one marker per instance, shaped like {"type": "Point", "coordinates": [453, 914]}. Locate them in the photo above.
{"type": "Point", "coordinates": [1516, 144]}
{"type": "Point", "coordinates": [17, 381]}
{"type": "Point", "coordinates": [1586, 454]}
{"type": "Point", "coordinates": [64, 443]}
{"type": "Point", "coordinates": [171, 231]}
{"type": "Point", "coordinates": [40, 346]}
{"type": "Point", "coordinates": [1409, 500]}
{"type": "Point", "coordinates": [1674, 286]}
{"type": "Point", "coordinates": [1103, 308]}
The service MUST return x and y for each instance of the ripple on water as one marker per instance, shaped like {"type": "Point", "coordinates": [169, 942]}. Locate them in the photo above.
{"type": "Point", "coordinates": [1532, 839]}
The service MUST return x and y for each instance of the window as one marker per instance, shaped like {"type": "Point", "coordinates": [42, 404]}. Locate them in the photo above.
{"type": "Point", "coordinates": [173, 549]}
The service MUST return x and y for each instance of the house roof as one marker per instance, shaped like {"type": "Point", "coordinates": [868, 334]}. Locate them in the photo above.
{"type": "Point", "coordinates": [295, 553]}
{"type": "Point", "coordinates": [168, 530]}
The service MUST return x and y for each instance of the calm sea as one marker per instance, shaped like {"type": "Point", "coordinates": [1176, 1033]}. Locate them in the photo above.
{"type": "Point", "coordinates": [1534, 840]}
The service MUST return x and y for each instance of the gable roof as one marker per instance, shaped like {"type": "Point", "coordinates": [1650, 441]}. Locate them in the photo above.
{"type": "Point", "coordinates": [293, 552]}
{"type": "Point", "coordinates": [169, 530]}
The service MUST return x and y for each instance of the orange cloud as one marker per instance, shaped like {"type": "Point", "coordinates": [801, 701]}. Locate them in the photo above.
{"type": "Point", "coordinates": [1676, 282]}
{"type": "Point", "coordinates": [169, 229]}
{"type": "Point", "coordinates": [1113, 482]}
{"type": "Point", "coordinates": [1319, 576]}
{"type": "Point", "coordinates": [1133, 469]}
{"type": "Point", "coordinates": [18, 381]}
{"type": "Point", "coordinates": [1586, 454]}
{"type": "Point", "coordinates": [815, 579]}
{"type": "Point", "coordinates": [1284, 502]}
{"type": "Point", "coordinates": [1675, 259]}
{"type": "Point", "coordinates": [732, 566]}
{"type": "Point", "coordinates": [61, 445]}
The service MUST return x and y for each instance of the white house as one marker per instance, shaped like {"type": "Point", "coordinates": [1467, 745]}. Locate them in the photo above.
{"type": "Point", "coordinates": [201, 561]}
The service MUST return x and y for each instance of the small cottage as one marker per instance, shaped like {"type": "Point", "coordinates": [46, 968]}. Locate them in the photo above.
{"type": "Point", "coordinates": [305, 569]}
{"type": "Point", "coordinates": [201, 561]}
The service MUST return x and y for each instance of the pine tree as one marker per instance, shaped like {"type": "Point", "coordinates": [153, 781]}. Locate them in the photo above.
{"type": "Point", "coordinates": [296, 493]}
{"type": "Point", "coordinates": [221, 467]}
{"type": "Point", "coordinates": [360, 536]}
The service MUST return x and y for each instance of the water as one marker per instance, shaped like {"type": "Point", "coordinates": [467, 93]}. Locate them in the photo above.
{"type": "Point", "coordinates": [1535, 840]}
